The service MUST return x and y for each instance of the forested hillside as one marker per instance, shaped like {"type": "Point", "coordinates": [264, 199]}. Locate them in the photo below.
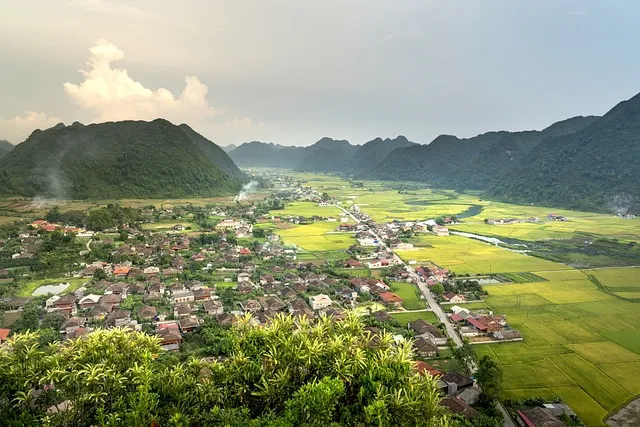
{"type": "Point", "coordinates": [5, 147]}
{"type": "Point", "coordinates": [596, 168]}
{"type": "Point", "coordinates": [117, 160]}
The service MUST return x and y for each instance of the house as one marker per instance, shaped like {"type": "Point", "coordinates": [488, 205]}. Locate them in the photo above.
{"type": "Point", "coordinates": [228, 224]}
{"type": "Point", "coordinates": [469, 395]}
{"type": "Point", "coordinates": [199, 257]}
{"type": "Point", "coordinates": [65, 303]}
{"type": "Point", "coordinates": [324, 204]}
{"type": "Point", "coordinates": [459, 406]}
{"type": "Point", "coordinates": [147, 312]}
{"type": "Point", "coordinates": [245, 288]}
{"type": "Point", "coordinates": [378, 263]}
{"type": "Point", "coordinates": [402, 245]}
{"type": "Point", "coordinates": [453, 298]}
{"type": "Point", "coordinates": [319, 302]}
{"type": "Point", "coordinates": [390, 299]}
{"type": "Point", "coordinates": [382, 316]}
{"type": "Point", "coordinates": [352, 263]}
{"type": "Point", "coordinates": [179, 227]}
{"type": "Point", "coordinates": [4, 335]}
{"type": "Point", "coordinates": [424, 329]}
{"type": "Point", "coordinates": [151, 271]}
{"type": "Point", "coordinates": [213, 307]}
{"type": "Point", "coordinates": [72, 323]}
{"type": "Point", "coordinates": [121, 271]}
{"type": "Point", "coordinates": [119, 289]}
{"type": "Point", "coordinates": [119, 318]}
{"type": "Point", "coordinates": [538, 417]}
{"type": "Point", "coordinates": [273, 304]}
{"type": "Point", "coordinates": [169, 334]}
{"type": "Point", "coordinates": [202, 294]}
{"type": "Point", "coordinates": [425, 348]}
{"type": "Point", "coordinates": [440, 230]}
{"type": "Point", "coordinates": [250, 306]}
{"type": "Point", "coordinates": [189, 324]}
{"type": "Point", "coordinates": [507, 335]}
{"type": "Point", "coordinates": [244, 277]}
{"type": "Point", "coordinates": [453, 382]}
{"type": "Point", "coordinates": [424, 368]}
{"type": "Point", "coordinates": [368, 241]}
{"type": "Point", "coordinates": [88, 301]}
{"type": "Point", "coordinates": [178, 296]}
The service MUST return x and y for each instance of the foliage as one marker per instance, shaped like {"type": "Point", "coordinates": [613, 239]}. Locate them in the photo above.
{"type": "Point", "coordinates": [117, 160]}
{"type": "Point", "coordinates": [489, 377]}
{"type": "Point", "coordinates": [285, 374]}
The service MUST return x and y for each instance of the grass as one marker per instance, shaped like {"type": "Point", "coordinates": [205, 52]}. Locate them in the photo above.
{"type": "Point", "coordinates": [409, 294]}
{"type": "Point", "coordinates": [363, 309]}
{"type": "Point", "coordinates": [405, 318]}
{"type": "Point", "coordinates": [307, 210]}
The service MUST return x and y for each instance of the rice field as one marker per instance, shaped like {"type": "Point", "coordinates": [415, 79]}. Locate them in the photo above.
{"type": "Point", "coordinates": [580, 343]}
{"type": "Point", "coordinates": [468, 256]}
{"type": "Point", "coordinates": [317, 237]}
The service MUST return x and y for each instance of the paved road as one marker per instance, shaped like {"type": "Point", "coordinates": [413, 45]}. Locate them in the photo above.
{"type": "Point", "coordinates": [433, 304]}
{"type": "Point", "coordinates": [508, 421]}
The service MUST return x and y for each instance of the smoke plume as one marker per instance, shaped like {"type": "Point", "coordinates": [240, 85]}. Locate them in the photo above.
{"type": "Point", "coordinates": [246, 190]}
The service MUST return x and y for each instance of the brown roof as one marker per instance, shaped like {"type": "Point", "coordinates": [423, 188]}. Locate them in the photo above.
{"type": "Point", "coordinates": [539, 417]}
{"type": "Point", "coordinates": [459, 406]}
{"type": "Point", "coordinates": [421, 326]}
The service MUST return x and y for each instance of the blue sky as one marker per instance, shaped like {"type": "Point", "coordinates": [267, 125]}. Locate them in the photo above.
{"type": "Point", "coordinates": [292, 72]}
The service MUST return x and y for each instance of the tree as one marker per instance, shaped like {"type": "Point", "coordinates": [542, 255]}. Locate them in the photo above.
{"type": "Point", "coordinates": [489, 377]}
{"type": "Point", "coordinates": [437, 289]}
{"type": "Point", "coordinates": [53, 215]}
{"type": "Point", "coordinates": [99, 274]}
{"type": "Point", "coordinates": [289, 373]}
{"type": "Point", "coordinates": [465, 355]}
{"type": "Point", "coordinates": [325, 196]}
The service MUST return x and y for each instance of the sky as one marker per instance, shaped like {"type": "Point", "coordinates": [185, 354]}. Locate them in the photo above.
{"type": "Point", "coordinates": [291, 71]}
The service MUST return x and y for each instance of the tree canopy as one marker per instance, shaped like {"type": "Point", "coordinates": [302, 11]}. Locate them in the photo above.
{"type": "Point", "coordinates": [290, 373]}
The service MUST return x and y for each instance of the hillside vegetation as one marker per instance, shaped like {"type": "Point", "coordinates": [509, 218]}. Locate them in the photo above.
{"type": "Point", "coordinates": [118, 160]}
{"type": "Point", "coordinates": [285, 374]}
{"type": "Point", "coordinates": [595, 169]}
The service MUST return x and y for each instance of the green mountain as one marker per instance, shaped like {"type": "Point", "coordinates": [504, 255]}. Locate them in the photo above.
{"type": "Point", "coordinates": [374, 151]}
{"type": "Point", "coordinates": [266, 155]}
{"type": "Point", "coordinates": [507, 153]}
{"type": "Point", "coordinates": [429, 163]}
{"type": "Point", "coordinates": [215, 154]}
{"type": "Point", "coordinates": [130, 159]}
{"type": "Point", "coordinates": [596, 168]}
{"type": "Point", "coordinates": [327, 155]}
{"type": "Point", "coordinates": [5, 147]}
{"type": "Point", "coordinates": [229, 148]}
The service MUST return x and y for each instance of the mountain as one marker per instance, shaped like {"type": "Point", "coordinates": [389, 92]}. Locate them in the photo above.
{"type": "Point", "coordinates": [374, 151]}
{"type": "Point", "coordinates": [596, 168]}
{"type": "Point", "coordinates": [130, 159]}
{"type": "Point", "coordinates": [266, 155]}
{"type": "Point", "coordinates": [327, 155]}
{"type": "Point", "coordinates": [483, 171]}
{"type": "Point", "coordinates": [5, 147]}
{"type": "Point", "coordinates": [429, 163]}
{"type": "Point", "coordinates": [215, 154]}
{"type": "Point", "coordinates": [229, 148]}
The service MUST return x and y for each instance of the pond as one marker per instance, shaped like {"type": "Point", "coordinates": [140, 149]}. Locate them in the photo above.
{"type": "Point", "coordinates": [51, 289]}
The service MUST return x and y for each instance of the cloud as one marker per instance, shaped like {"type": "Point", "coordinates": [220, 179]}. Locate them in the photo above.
{"type": "Point", "coordinates": [18, 128]}
{"type": "Point", "coordinates": [113, 95]}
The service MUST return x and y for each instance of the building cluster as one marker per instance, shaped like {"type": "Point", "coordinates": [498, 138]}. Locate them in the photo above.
{"type": "Point", "coordinates": [482, 327]}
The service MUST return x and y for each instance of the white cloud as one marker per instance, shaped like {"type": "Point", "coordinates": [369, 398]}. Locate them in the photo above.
{"type": "Point", "coordinates": [18, 128]}
{"type": "Point", "coordinates": [113, 95]}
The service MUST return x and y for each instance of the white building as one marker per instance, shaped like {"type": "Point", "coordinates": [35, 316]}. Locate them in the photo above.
{"type": "Point", "coordinates": [318, 302]}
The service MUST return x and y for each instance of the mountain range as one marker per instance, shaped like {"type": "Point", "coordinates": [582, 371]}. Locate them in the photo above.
{"type": "Point", "coordinates": [589, 163]}
{"type": "Point", "coordinates": [5, 147]}
{"type": "Point", "coordinates": [130, 159]}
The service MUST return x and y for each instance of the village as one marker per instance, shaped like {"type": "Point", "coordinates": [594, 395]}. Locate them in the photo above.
{"type": "Point", "coordinates": [170, 283]}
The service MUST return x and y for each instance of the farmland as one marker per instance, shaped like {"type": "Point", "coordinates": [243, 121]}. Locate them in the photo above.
{"type": "Point", "coordinates": [581, 328]}
{"type": "Point", "coordinates": [468, 256]}
{"type": "Point", "coordinates": [409, 294]}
